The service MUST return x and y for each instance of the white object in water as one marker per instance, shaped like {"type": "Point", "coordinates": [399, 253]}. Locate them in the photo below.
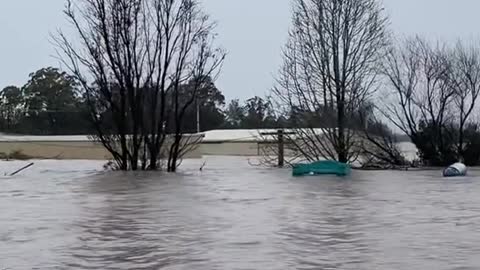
{"type": "Point", "coordinates": [457, 169]}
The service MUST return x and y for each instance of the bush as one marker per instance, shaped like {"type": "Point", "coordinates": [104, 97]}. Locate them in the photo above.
{"type": "Point", "coordinates": [437, 146]}
{"type": "Point", "coordinates": [471, 152]}
{"type": "Point", "coordinates": [18, 155]}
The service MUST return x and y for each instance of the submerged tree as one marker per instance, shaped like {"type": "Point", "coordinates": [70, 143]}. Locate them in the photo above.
{"type": "Point", "coordinates": [132, 59]}
{"type": "Point", "coordinates": [330, 69]}
{"type": "Point", "coordinates": [435, 89]}
{"type": "Point", "coordinates": [417, 73]}
{"type": "Point", "coordinates": [465, 81]}
{"type": "Point", "coordinates": [379, 143]}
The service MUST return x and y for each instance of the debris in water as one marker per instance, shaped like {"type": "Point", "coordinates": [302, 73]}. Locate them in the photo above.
{"type": "Point", "coordinates": [22, 169]}
{"type": "Point", "coordinates": [203, 166]}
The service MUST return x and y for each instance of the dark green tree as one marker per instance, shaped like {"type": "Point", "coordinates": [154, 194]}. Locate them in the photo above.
{"type": "Point", "coordinates": [12, 107]}
{"type": "Point", "coordinates": [207, 110]}
{"type": "Point", "coordinates": [234, 114]}
{"type": "Point", "coordinates": [259, 114]}
{"type": "Point", "coordinates": [53, 104]}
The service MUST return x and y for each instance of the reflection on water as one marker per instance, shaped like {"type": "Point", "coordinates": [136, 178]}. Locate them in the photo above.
{"type": "Point", "coordinates": [231, 216]}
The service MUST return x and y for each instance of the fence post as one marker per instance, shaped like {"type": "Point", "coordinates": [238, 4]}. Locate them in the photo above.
{"type": "Point", "coordinates": [281, 149]}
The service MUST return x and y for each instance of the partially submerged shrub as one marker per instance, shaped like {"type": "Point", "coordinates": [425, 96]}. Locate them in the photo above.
{"type": "Point", "coordinates": [18, 155]}
{"type": "Point", "coordinates": [111, 166]}
{"type": "Point", "coordinates": [438, 146]}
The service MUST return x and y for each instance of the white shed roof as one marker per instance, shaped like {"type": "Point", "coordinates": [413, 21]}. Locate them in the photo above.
{"type": "Point", "coordinates": [242, 135]}
{"type": "Point", "coordinates": [234, 135]}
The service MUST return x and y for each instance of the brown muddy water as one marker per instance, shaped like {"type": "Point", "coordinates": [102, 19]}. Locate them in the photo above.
{"type": "Point", "coordinates": [70, 215]}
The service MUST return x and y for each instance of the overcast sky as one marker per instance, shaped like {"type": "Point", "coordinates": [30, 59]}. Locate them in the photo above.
{"type": "Point", "coordinates": [253, 32]}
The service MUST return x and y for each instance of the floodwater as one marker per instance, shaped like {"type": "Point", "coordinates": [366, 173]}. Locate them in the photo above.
{"type": "Point", "coordinates": [70, 215]}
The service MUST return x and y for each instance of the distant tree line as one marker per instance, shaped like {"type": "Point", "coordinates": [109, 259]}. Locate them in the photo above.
{"type": "Point", "coordinates": [52, 103]}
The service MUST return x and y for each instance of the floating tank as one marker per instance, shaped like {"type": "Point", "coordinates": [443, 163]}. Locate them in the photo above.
{"type": "Point", "coordinates": [457, 169]}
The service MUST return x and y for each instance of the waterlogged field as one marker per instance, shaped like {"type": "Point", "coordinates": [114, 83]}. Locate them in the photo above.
{"type": "Point", "coordinates": [71, 215]}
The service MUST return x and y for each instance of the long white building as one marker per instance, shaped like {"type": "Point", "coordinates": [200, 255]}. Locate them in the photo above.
{"type": "Point", "coordinates": [216, 142]}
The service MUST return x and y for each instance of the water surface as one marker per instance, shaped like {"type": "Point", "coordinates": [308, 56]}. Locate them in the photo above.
{"type": "Point", "coordinates": [69, 215]}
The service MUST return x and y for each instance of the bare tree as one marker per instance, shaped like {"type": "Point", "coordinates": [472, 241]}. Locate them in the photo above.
{"type": "Point", "coordinates": [132, 57]}
{"type": "Point", "coordinates": [379, 144]}
{"type": "Point", "coordinates": [465, 80]}
{"type": "Point", "coordinates": [419, 75]}
{"type": "Point", "coordinates": [330, 69]}
{"type": "Point", "coordinates": [435, 89]}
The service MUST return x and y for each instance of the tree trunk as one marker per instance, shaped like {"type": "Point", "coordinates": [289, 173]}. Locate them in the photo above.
{"type": "Point", "coordinates": [341, 146]}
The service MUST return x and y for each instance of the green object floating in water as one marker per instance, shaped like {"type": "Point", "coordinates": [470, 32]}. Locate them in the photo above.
{"type": "Point", "coordinates": [322, 168]}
